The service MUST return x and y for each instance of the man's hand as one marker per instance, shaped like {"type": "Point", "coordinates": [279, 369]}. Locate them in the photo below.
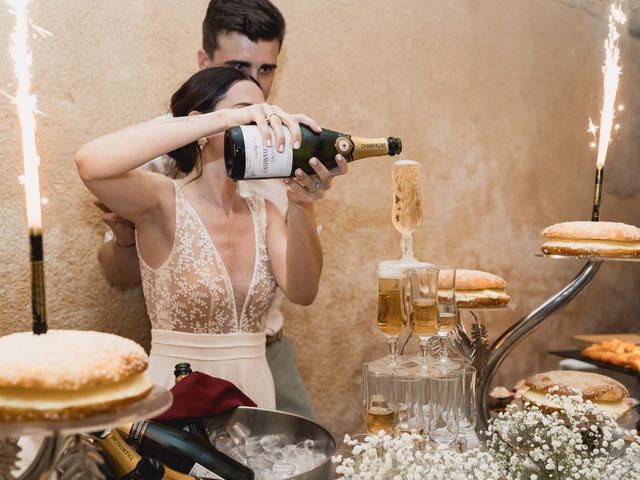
{"type": "Point", "coordinates": [124, 231]}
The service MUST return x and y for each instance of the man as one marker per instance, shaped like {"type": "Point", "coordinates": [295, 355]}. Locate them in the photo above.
{"type": "Point", "coordinates": [248, 35]}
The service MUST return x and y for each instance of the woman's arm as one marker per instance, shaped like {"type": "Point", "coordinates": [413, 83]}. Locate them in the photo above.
{"type": "Point", "coordinates": [294, 246]}
{"type": "Point", "coordinates": [108, 164]}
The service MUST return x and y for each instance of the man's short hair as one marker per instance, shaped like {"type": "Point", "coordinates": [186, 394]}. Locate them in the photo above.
{"type": "Point", "coordinates": [255, 19]}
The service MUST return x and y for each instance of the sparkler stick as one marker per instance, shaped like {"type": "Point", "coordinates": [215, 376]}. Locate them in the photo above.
{"type": "Point", "coordinates": [597, 194]}
{"type": "Point", "coordinates": [26, 103]}
{"type": "Point", "coordinates": [611, 71]}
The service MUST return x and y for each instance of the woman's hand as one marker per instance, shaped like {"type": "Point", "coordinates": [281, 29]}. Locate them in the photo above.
{"type": "Point", "coordinates": [265, 115]}
{"type": "Point", "coordinates": [304, 188]}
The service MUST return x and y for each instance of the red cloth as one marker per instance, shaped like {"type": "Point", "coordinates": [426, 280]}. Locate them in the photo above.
{"type": "Point", "coordinates": [201, 395]}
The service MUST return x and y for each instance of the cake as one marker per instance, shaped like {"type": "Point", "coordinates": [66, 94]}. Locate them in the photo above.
{"type": "Point", "coordinates": [592, 239]}
{"type": "Point", "coordinates": [606, 393]}
{"type": "Point", "coordinates": [475, 288]}
{"type": "Point", "coordinates": [69, 374]}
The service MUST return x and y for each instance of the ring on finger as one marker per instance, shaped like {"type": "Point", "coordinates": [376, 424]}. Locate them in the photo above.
{"type": "Point", "coordinates": [267, 117]}
{"type": "Point", "coordinates": [313, 189]}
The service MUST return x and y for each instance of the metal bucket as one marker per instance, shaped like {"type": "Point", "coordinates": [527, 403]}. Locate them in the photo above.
{"type": "Point", "coordinates": [264, 422]}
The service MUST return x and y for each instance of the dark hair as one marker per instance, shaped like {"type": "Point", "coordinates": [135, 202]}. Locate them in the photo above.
{"type": "Point", "coordinates": [255, 19]}
{"type": "Point", "coordinates": [202, 92]}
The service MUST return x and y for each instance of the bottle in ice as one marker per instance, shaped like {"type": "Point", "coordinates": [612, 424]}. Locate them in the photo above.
{"type": "Point", "coordinates": [183, 451]}
{"type": "Point", "coordinates": [246, 156]}
{"type": "Point", "coordinates": [124, 460]}
{"type": "Point", "coordinates": [191, 425]}
{"type": "Point", "coordinates": [147, 469]}
{"type": "Point", "coordinates": [181, 370]}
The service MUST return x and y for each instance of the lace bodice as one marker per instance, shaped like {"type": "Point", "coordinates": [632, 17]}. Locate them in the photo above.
{"type": "Point", "coordinates": [192, 292]}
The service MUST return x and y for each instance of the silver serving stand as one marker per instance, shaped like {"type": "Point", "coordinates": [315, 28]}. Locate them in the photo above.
{"type": "Point", "coordinates": [41, 468]}
{"type": "Point", "coordinates": [498, 351]}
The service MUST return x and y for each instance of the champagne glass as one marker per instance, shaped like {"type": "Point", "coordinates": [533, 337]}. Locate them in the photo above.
{"type": "Point", "coordinates": [468, 400]}
{"type": "Point", "coordinates": [406, 212]}
{"type": "Point", "coordinates": [379, 401]}
{"type": "Point", "coordinates": [445, 389]}
{"type": "Point", "coordinates": [392, 315]}
{"type": "Point", "coordinates": [448, 316]}
{"type": "Point", "coordinates": [410, 396]}
{"type": "Point", "coordinates": [424, 309]}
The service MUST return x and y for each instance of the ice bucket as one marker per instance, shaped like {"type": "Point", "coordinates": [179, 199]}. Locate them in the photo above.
{"type": "Point", "coordinates": [264, 422]}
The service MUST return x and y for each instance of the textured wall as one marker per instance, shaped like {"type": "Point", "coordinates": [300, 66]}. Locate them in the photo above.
{"type": "Point", "coordinates": [492, 96]}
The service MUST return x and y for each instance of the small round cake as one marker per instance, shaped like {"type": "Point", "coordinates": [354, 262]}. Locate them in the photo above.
{"type": "Point", "coordinates": [592, 239]}
{"type": "Point", "coordinates": [475, 288]}
{"type": "Point", "coordinates": [69, 374]}
{"type": "Point", "coordinates": [606, 393]}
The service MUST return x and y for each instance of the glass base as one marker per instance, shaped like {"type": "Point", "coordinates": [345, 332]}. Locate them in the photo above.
{"type": "Point", "coordinates": [404, 262]}
{"type": "Point", "coordinates": [398, 365]}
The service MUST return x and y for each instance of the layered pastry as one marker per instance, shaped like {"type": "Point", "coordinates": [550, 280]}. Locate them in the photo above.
{"type": "Point", "coordinates": [68, 374]}
{"type": "Point", "coordinates": [592, 239]}
{"type": "Point", "coordinates": [475, 288]}
{"type": "Point", "coordinates": [615, 352]}
{"type": "Point", "coordinates": [606, 393]}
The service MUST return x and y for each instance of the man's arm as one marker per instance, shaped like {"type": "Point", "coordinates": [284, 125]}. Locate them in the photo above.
{"type": "Point", "coordinates": [118, 255]}
{"type": "Point", "coordinates": [120, 265]}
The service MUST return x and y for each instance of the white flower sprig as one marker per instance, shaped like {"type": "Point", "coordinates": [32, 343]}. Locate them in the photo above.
{"type": "Point", "coordinates": [576, 441]}
{"type": "Point", "coordinates": [382, 457]}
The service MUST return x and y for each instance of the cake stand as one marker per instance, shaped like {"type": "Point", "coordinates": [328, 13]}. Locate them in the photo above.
{"type": "Point", "coordinates": [158, 401]}
{"type": "Point", "coordinates": [505, 344]}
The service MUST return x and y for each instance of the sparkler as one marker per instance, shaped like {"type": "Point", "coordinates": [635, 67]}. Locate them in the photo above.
{"type": "Point", "coordinates": [26, 105]}
{"type": "Point", "coordinates": [611, 71]}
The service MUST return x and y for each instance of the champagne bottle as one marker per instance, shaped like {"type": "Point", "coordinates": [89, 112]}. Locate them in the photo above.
{"type": "Point", "coordinates": [181, 370]}
{"type": "Point", "coordinates": [147, 469]}
{"type": "Point", "coordinates": [192, 425]}
{"type": "Point", "coordinates": [183, 451]}
{"type": "Point", "coordinates": [246, 157]}
{"type": "Point", "coordinates": [124, 460]}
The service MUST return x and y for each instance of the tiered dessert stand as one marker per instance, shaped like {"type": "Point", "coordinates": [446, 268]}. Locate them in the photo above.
{"type": "Point", "coordinates": [57, 432]}
{"type": "Point", "coordinates": [504, 345]}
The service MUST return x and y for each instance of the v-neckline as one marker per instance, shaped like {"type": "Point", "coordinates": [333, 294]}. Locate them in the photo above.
{"type": "Point", "coordinates": [221, 264]}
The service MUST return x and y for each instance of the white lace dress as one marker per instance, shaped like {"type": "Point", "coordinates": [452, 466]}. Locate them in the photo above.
{"type": "Point", "coordinates": [198, 316]}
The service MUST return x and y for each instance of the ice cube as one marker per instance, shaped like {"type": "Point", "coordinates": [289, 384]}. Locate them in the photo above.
{"type": "Point", "coordinates": [253, 446]}
{"type": "Point", "coordinates": [318, 458]}
{"type": "Point", "coordinates": [303, 459]}
{"type": "Point", "coordinates": [269, 442]}
{"type": "Point", "coordinates": [260, 462]}
{"type": "Point", "coordinates": [289, 451]}
{"type": "Point", "coordinates": [238, 453]}
{"type": "Point", "coordinates": [283, 467]}
{"type": "Point", "coordinates": [238, 432]}
{"type": "Point", "coordinates": [223, 441]}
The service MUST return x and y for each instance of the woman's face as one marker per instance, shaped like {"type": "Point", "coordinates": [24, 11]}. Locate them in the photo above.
{"type": "Point", "coordinates": [241, 94]}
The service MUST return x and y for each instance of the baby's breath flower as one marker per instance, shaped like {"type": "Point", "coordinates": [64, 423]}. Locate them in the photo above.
{"type": "Point", "coordinates": [577, 442]}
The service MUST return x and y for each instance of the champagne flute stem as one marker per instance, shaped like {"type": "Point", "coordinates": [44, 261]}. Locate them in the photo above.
{"type": "Point", "coordinates": [393, 347]}
{"type": "Point", "coordinates": [406, 245]}
{"type": "Point", "coordinates": [444, 351]}
{"type": "Point", "coordinates": [424, 347]}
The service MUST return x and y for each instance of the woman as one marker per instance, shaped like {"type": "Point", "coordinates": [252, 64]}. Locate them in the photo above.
{"type": "Point", "coordinates": [210, 259]}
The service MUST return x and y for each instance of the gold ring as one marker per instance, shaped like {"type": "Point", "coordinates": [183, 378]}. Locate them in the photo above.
{"type": "Point", "coordinates": [267, 117]}
{"type": "Point", "coordinates": [314, 189]}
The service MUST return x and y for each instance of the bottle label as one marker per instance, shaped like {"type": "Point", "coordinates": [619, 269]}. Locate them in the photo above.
{"type": "Point", "coordinates": [344, 145]}
{"type": "Point", "coordinates": [137, 432]}
{"type": "Point", "coordinates": [199, 471]}
{"type": "Point", "coordinates": [262, 161]}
